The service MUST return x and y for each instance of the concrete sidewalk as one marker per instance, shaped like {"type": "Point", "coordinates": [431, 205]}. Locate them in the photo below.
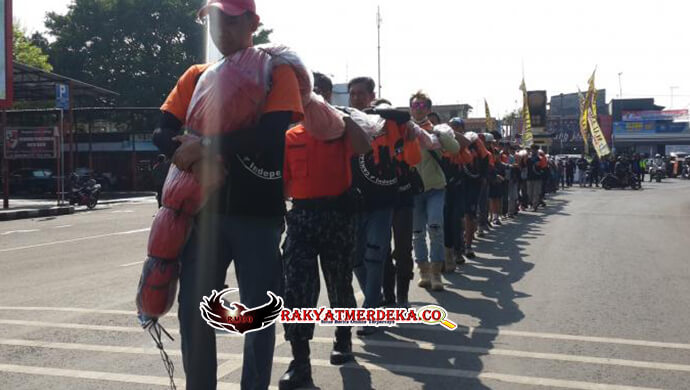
{"type": "Point", "coordinates": [23, 208]}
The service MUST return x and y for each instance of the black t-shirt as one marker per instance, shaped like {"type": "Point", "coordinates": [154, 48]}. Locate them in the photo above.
{"type": "Point", "coordinates": [254, 186]}
{"type": "Point", "coordinates": [377, 181]}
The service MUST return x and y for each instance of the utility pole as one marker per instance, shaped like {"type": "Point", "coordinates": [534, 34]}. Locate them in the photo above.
{"type": "Point", "coordinates": [672, 88]}
{"type": "Point", "coordinates": [378, 31]}
{"type": "Point", "coordinates": [620, 86]}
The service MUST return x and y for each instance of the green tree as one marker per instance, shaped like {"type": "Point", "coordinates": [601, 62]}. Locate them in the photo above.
{"type": "Point", "coordinates": [136, 48]}
{"type": "Point", "coordinates": [25, 52]}
{"type": "Point", "coordinates": [38, 40]}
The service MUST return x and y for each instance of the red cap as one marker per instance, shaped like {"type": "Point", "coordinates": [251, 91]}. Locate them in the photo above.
{"type": "Point", "coordinates": [229, 7]}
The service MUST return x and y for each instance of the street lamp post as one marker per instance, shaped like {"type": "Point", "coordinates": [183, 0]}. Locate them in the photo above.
{"type": "Point", "coordinates": [620, 86]}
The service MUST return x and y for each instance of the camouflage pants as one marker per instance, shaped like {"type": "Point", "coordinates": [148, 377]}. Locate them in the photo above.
{"type": "Point", "coordinates": [328, 235]}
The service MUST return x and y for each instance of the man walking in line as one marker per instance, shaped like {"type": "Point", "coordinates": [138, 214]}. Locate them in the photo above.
{"type": "Point", "coordinates": [320, 226]}
{"type": "Point", "coordinates": [429, 205]}
{"type": "Point", "coordinates": [375, 177]}
{"type": "Point", "coordinates": [242, 222]}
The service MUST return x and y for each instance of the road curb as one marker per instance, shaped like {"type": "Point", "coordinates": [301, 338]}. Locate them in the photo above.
{"type": "Point", "coordinates": [38, 213]}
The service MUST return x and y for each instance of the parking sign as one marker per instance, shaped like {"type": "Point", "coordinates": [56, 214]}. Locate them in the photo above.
{"type": "Point", "coordinates": [62, 96]}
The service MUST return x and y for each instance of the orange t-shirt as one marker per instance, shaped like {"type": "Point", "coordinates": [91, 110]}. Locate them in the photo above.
{"type": "Point", "coordinates": [178, 100]}
{"type": "Point", "coordinates": [283, 96]}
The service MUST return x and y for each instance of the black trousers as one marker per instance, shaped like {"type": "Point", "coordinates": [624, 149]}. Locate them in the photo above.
{"type": "Point", "coordinates": [398, 269]}
{"type": "Point", "coordinates": [328, 235]}
{"type": "Point", "coordinates": [594, 179]}
{"type": "Point", "coordinates": [453, 215]}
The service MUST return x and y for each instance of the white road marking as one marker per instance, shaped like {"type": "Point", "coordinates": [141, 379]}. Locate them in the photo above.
{"type": "Point", "coordinates": [62, 226]}
{"type": "Point", "coordinates": [228, 367]}
{"type": "Point", "coordinates": [553, 336]}
{"type": "Point", "coordinates": [19, 231]}
{"type": "Point", "coordinates": [516, 379]}
{"type": "Point", "coordinates": [122, 211]}
{"type": "Point", "coordinates": [460, 328]}
{"type": "Point", "coordinates": [413, 344]}
{"type": "Point", "coordinates": [69, 309]}
{"type": "Point", "coordinates": [75, 240]}
{"type": "Point", "coordinates": [42, 324]}
{"type": "Point", "coordinates": [526, 380]}
{"type": "Point", "coordinates": [408, 344]}
{"type": "Point", "coordinates": [93, 375]}
{"type": "Point", "coordinates": [130, 264]}
{"type": "Point", "coordinates": [106, 376]}
{"type": "Point", "coordinates": [104, 328]}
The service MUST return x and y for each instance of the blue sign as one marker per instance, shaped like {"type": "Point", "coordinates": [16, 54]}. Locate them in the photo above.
{"type": "Point", "coordinates": [62, 96]}
{"type": "Point", "coordinates": [649, 127]}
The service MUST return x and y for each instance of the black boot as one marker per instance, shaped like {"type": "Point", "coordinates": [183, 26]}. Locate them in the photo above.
{"type": "Point", "coordinates": [298, 374]}
{"type": "Point", "coordinates": [389, 271]}
{"type": "Point", "coordinates": [342, 346]}
{"type": "Point", "coordinates": [403, 287]}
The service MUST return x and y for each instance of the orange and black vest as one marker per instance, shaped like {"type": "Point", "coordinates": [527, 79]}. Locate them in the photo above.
{"type": "Point", "coordinates": [315, 169]}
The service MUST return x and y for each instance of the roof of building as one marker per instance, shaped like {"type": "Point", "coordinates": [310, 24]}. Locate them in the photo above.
{"type": "Point", "coordinates": [34, 84]}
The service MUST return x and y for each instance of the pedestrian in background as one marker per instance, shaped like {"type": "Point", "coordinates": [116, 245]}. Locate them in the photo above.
{"type": "Point", "coordinates": [569, 171]}
{"type": "Point", "coordinates": [582, 166]}
{"type": "Point", "coordinates": [159, 173]}
{"type": "Point", "coordinates": [595, 170]}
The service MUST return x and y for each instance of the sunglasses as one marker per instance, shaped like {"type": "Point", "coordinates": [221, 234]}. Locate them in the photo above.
{"type": "Point", "coordinates": [419, 105]}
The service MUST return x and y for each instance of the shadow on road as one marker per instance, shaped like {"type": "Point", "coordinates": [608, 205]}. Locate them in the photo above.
{"type": "Point", "coordinates": [492, 277]}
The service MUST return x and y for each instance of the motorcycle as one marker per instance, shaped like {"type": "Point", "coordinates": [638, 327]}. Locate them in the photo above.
{"type": "Point", "coordinates": [612, 181]}
{"type": "Point", "coordinates": [85, 195]}
{"type": "Point", "coordinates": [685, 173]}
{"type": "Point", "coordinates": [657, 173]}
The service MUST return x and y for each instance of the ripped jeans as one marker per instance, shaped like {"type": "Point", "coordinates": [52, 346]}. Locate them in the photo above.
{"type": "Point", "coordinates": [371, 252]}
{"type": "Point", "coordinates": [428, 215]}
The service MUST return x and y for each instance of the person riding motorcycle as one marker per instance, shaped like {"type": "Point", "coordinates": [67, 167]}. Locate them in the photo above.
{"type": "Point", "coordinates": [657, 165]}
{"type": "Point", "coordinates": [622, 171]}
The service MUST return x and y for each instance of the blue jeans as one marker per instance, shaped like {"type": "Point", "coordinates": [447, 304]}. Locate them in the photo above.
{"type": "Point", "coordinates": [373, 246]}
{"type": "Point", "coordinates": [217, 240]}
{"type": "Point", "coordinates": [428, 213]}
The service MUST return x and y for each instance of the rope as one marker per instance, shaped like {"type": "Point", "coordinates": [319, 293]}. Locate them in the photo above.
{"type": "Point", "coordinates": [156, 330]}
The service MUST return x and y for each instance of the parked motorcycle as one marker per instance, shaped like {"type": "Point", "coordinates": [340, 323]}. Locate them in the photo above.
{"type": "Point", "coordinates": [612, 181]}
{"type": "Point", "coordinates": [685, 173]}
{"type": "Point", "coordinates": [86, 194]}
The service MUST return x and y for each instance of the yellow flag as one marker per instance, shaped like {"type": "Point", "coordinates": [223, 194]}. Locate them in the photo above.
{"type": "Point", "coordinates": [489, 122]}
{"type": "Point", "coordinates": [527, 138]}
{"type": "Point", "coordinates": [591, 100]}
{"type": "Point", "coordinates": [584, 129]}
{"type": "Point", "coordinates": [598, 139]}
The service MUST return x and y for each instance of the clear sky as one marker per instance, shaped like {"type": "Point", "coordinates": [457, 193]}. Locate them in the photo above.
{"type": "Point", "coordinates": [465, 51]}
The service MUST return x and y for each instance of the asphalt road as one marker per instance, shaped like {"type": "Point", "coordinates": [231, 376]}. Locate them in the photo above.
{"type": "Point", "coordinates": [592, 293]}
